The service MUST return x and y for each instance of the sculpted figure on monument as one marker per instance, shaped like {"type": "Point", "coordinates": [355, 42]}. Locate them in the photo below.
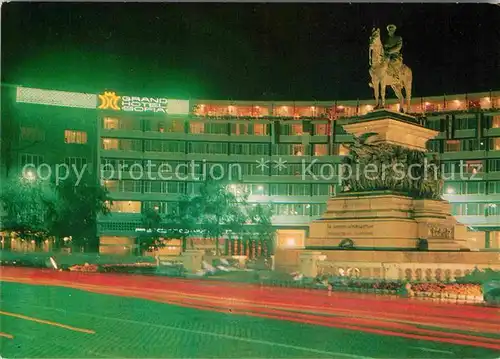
{"type": "Point", "coordinates": [387, 167]}
{"type": "Point", "coordinates": [392, 50]}
{"type": "Point", "coordinates": [387, 68]}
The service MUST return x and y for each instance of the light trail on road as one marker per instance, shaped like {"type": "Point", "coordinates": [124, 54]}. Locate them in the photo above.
{"type": "Point", "coordinates": [400, 317]}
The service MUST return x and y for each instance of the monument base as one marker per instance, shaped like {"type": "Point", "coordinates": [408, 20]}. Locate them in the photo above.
{"type": "Point", "coordinates": [389, 265]}
{"type": "Point", "coordinates": [386, 221]}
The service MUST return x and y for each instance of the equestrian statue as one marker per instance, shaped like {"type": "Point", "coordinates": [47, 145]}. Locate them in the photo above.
{"type": "Point", "coordinates": [387, 68]}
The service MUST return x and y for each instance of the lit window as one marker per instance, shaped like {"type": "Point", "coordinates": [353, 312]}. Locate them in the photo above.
{"type": "Point", "coordinates": [111, 123]}
{"type": "Point", "coordinates": [71, 136]}
{"type": "Point", "coordinates": [196, 127]}
{"type": "Point", "coordinates": [109, 144]}
{"type": "Point", "coordinates": [452, 146]}
{"type": "Point", "coordinates": [320, 149]}
{"type": "Point", "coordinates": [495, 122]}
{"type": "Point", "coordinates": [298, 150]}
{"type": "Point", "coordinates": [126, 206]}
{"type": "Point", "coordinates": [495, 144]}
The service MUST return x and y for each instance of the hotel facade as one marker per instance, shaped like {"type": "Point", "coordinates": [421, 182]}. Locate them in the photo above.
{"type": "Point", "coordinates": [150, 151]}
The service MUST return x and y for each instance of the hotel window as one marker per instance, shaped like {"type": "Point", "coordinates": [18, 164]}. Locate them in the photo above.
{"type": "Point", "coordinates": [111, 185]}
{"type": "Point", "coordinates": [457, 209]}
{"type": "Point", "coordinates": [491, 209]}
{"type": "Point", "coordinates": [296, 129]}
{"type": "Point", "coordinates": [249, 148]}
{"type": "Point", "coordinates": [472, 209]}
{"type": "Point", "coordinates": [216, 128]}
{"type": "Point", "coordinates": [254, 169]}
{"type": "Point", "coordinates": [473, 166]}
{"type": "Point", "coordinates": [164, 146]}
{"type": "Point", "coordinates": [322, 189]}
{"type": "Point", "coordinates": [29, 159]}
{"type": "Point", "coordinates": [213, 148]}
{"type": "Point", "coordinates": [71, 136]}
{"type": "Point", "coordinates": [467, 123]}
{"type": "Point", "coordinates": [451, 167]}
{"type": "Point", "coordinates": [111, 123]}
{"type": "Point", "coordinates": [291, 209]}
{"type": "Point", "coordinates": [257, 189]}
{"type": "Point", "coordinates": [495, 144]}
{"type": "Point", "coordinates": [130, 145]}
{"type": "Point", "coordinates": [159, 206]}
{"type": "Point", "coordinates": [326, 170]}
{"type": "Point", "coordinates": [221, 169]}
{"type": "Point", "coordinates": [240, 148]}
{"type": "Point", "coordinates": [494, 187]}
{"type": "Point", "coordinates": [108, 162]}
{"type": "Point", "coordinates": [321, 129]}
{"type": "Point", "coordinates": [453, 188]}
{"type": "Point", "coordinates": [471, 144]}
{"type": "Point", "coordinates": [433, 125]}
{"type": "Point", "coordinates": [288, 189]}
{"type": "Point", "coordinates": [126, 207]}
{"type": "Point", "coordinates": [173, 187]}
{"type": "Point", "coordinates": [196, 127]}
{"type": "Point", "coordinates": [135, 165]}
{"type": "Point", "coordinates": [293, 129]}
{"type": "Point", "coordinates": [452, 146]}
{"type": "Point", "coordinates": [321, 149]}
{"type": "Point", "coordinates": [110, 143]}
{"type": "Point", "coordinates": [433, 146]}
{"type": "Point", "coordinates": [130, 186]}
{"type": "Point", "coordinates": [152, 186]}
{"type": "Point", "coordinates": [494, 165]}
{"type": "Point", "coordinates": [193, 188]}
{"type": "Point", "coordinates": [317, 209]}
{"type": "Point", "coordinates": [259, 149]}
{"type": "Point", "coordinates": [472, 187]}
{"type": "Point", "coordinates": [174, 146]}
{"type": "Point", "coordinates": [260, 129]}
{"type": "Point", "coordinates": [290, 169]}
{"type": "Point", "coordinates": [298, 150]}
{"type": "Point", "coordinates": [75, 162]}
{"type": "Point", "coordinates": [32, 134]}
{"type": "Point", "coordinates": [495, 121]}
{"type": "Point", "coordinates": [240, 128]}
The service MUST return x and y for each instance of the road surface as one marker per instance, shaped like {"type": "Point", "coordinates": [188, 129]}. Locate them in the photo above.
{"type": "Point", "coordinates": [44, 313]}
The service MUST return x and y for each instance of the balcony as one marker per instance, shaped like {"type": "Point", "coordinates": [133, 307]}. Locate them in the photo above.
{"type": "Point", "coordinates": [288, 220]}
{"type": "Point", "coordinates": [468, 198]}
{"type": "Point", "coordinates": [479, 221]}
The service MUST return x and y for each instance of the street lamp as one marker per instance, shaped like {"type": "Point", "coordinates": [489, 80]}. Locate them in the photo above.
{"type": "Point", "coordinates": [29, 175]}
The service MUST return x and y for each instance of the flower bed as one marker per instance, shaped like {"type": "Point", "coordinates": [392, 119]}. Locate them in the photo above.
{"type": "Point", "coordinates": [136, 268]}
{"type": "Point", "coordinates": [89, 268]}
{"type": "Point", "coordinates": [449, 289]}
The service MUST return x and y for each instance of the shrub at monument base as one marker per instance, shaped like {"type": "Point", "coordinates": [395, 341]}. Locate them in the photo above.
{"type": "Point", "coordinates": [465, 289]}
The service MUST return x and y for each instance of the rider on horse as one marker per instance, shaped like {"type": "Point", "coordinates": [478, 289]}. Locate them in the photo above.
{"type": "Point", "coordinates": [392, 50]}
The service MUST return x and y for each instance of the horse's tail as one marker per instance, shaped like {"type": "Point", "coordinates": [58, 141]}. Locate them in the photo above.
{"type": "Point", "coordinates": [370, 84]}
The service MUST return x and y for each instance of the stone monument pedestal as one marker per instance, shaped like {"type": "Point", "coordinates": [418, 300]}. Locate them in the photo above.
{"type": "Point", "coordinates": [403, 232]}
{"type": "Point", "coordinates": [386, 221]}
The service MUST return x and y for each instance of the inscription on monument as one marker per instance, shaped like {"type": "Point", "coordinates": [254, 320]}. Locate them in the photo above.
{"type": "Point", "coordinates": [347, 230]}
{"type": "Point", "coordinates": [439, 232]}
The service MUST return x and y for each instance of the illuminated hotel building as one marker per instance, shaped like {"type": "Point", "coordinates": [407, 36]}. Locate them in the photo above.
{"type": "Point", "coordinates": [238, 136]}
